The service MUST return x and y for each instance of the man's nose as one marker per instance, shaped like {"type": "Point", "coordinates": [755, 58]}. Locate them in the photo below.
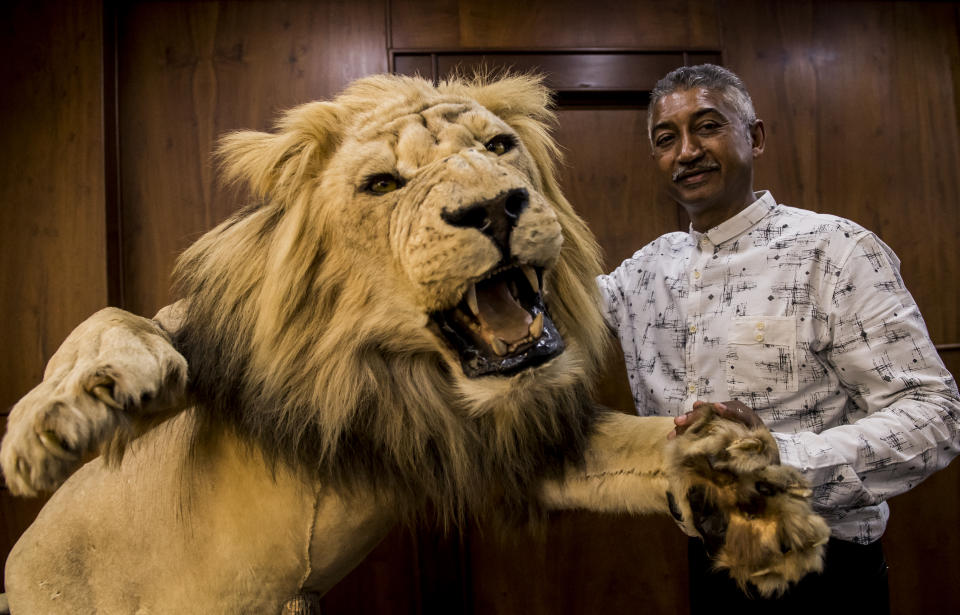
{"type": "Point", "coordinates": [689, 148]}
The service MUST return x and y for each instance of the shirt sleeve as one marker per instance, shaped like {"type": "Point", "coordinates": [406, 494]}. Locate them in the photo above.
{"type": "Point", "coordinates": [905, 424]}
{"type": "Point", "coordinates": [611, 298]}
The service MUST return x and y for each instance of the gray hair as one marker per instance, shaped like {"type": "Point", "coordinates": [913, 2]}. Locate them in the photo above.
{"type": "Point", "coordinates": [711, 77]}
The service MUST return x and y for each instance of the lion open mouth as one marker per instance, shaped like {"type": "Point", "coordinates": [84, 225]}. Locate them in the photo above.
{"type": "Point", "coordinates": [501, 325]}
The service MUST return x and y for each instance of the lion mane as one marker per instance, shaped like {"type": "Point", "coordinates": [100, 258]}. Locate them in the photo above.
{"type": "Point", "coordinates": [306, 336]}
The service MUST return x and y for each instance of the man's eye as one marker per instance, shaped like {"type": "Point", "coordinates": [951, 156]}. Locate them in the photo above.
{"type": "Point", "coordinates": [382, 184]}
{"type": "Point", "coordinates": [663, 141]}
{"type": "Point", "coordinates": [501, 144]}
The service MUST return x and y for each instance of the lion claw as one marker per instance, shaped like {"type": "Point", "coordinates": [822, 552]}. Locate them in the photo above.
{"type": "Point", "coordinates": [55, 447]}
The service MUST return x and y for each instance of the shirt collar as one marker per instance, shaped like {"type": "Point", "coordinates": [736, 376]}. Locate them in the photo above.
{"type": "Point", "coordinates": [740, 223]}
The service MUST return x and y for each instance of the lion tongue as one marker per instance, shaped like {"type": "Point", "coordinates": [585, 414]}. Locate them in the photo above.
{"type": "Point", "coordinates": [502, 319]}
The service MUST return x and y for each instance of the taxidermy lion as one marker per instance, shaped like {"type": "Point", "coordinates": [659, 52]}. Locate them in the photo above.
{"type": "Point", "coordinates": [406, 320]}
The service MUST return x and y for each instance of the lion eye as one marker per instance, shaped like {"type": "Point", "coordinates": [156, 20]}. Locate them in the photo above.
{"type": "Point", "coordinates": [501, 144]}
{"type": "Point", "coordinates": [382, 184]}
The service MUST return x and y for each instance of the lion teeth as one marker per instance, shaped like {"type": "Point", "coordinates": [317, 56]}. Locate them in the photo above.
{"type": "Point", "coordinates": [498, 346]}
{"type": "Point", "coordinates": [472, 300]}
{"type": "Point", "coordinates": [531, 277]}
{"type": "Point", "coordinates": [536, 327]}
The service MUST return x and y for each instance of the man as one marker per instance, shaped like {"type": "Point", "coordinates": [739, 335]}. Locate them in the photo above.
{"type": "Point", "coordinates": [801, 320]}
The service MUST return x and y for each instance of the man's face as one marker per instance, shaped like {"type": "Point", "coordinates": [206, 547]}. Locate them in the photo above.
{"type": "Point", "coordinates": [703, 151]}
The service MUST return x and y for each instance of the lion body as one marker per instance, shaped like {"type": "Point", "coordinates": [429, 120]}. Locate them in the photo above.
{"type": "Point", "coordinates": [235, 537]}
{"type": "Point", "coordinates": [306, 332]}
{"type": "Point", "coordinates": [406, 320]}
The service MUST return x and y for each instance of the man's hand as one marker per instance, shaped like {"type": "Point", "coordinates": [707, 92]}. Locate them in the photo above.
{"type": "Point", "coordinates": [731, 410]}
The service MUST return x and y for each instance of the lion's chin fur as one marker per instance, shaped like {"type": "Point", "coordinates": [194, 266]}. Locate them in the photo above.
{"type": "Point", "coordinates": [325, 367]}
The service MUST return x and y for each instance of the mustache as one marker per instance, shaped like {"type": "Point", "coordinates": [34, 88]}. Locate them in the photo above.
{"type": "Point", "coordinates": [683, 171]}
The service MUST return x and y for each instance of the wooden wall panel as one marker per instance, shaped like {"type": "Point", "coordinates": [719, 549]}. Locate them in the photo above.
{"type": "Point", "coordinates": [654, 24]}
{"type": "Point", "coordinates": [921, 547]}
{"type": "Point", "coordinates": [52, 234]}
{"type": "Point", "coordinates": [190, 71]}
{"type": "Point", "coordinates": [610, 179]}
{"type": "Point", "coordinates": [861, 115]}
{"type": "Point", "coordinates": [585, 563]}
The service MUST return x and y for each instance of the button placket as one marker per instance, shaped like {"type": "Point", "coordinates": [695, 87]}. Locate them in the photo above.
{"type": "Point", "coordinates": [695, 308]}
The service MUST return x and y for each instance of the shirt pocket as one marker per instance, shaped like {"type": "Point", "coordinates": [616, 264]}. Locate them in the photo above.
{"type": "Point", "coordinates": [762, 354]}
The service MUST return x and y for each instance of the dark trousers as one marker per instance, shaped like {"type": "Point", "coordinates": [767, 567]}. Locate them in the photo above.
{"type": "Point", "coordinates": [854, 580]}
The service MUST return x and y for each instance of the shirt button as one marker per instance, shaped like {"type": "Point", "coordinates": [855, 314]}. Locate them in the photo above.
{"type": "Point", "coordinates": [696, 274]}
{"type": "Point", "coordinates": [760, 325]}
{"type": "Point", "coordinates": [692, 388]}
{"type": "Point", "coordinates": [693, 328]}
{"type": "Point", "coordinates": [759, 337]}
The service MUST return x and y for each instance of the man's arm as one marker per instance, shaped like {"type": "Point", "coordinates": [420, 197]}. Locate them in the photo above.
{"type": "Point", "coordinates": [907, 401]}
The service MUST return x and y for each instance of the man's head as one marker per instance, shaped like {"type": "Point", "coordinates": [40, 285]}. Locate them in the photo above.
{"type": "Point", "coordinates": [704, 135]}
{"type": "Point", "coordinates": [711, 77]}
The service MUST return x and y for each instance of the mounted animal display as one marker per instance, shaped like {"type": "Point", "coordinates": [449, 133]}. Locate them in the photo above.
{"type": "Point", "coordinates": [404, 320]}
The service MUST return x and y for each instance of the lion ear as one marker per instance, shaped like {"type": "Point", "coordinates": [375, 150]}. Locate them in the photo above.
{"type": "Point", "coordinates": [278, 163]}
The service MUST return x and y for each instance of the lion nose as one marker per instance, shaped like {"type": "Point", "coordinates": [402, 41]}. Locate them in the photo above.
{"type": "Point", "coordinates": [494, 217]}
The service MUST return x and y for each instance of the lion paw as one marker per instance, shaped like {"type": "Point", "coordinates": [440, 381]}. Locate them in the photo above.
{"type": "Point", "coordinates": [111, 372]}
{"type": "Point", "coordinates": [753, 514]}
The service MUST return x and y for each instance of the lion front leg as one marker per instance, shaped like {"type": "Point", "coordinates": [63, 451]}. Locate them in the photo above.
{"type": "Point", "coordinates": [720, 480]}
{"type": "Point", "coordinates": [113, 376]}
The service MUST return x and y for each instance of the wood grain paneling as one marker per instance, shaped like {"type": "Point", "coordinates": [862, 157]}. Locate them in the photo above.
{"type": "Point", "coordinates": [610, 179]}
{"type": "Point", "coordinates": [655, 24]}
{"type": "Point", "coordinates": [190, 71]}
{"type": "Point", "coordinates": [385, 582]}
{"type": "Point", "coordinates": [52, 235]}
{"type": "Point", "coordinates": [861, 114]}
{"type": "Point", "coordinates": [53, 269]}
{"type": "Point", "coordinates": [921, 547]}
{"type": "Point", "coordinates": [573, 71]}
{"type": "Point", "coordinates": [586, 563]}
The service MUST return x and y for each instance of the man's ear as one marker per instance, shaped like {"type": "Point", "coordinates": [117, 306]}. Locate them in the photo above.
{"type": "Point", "coordinates": [758, 137]}
{"type": "Point", "coordinates": [277, 163]}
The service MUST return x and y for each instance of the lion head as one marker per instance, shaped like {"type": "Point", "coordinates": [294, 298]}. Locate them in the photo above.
{"type": "Point", "coordinates": [409, 304]}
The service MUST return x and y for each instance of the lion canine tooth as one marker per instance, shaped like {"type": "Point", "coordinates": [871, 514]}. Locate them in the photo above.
{"type": "Point", "coordinates": [498, 346]}
{"type": "Point", "coordinates": [531, 277]}
{"type": "Point", "coordinates": [472, 300]}
{"type": "Point", "coordinates": [536, 327]}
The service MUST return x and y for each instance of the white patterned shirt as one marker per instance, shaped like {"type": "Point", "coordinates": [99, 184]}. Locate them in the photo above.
{"type": "Point", "coordinates": [804, 318]}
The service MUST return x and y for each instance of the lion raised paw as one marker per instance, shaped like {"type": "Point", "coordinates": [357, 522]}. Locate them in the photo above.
{"type": "Point", "coordinates": [753, 514]}
{"type": "Point", "coordinates": [108, 381]}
